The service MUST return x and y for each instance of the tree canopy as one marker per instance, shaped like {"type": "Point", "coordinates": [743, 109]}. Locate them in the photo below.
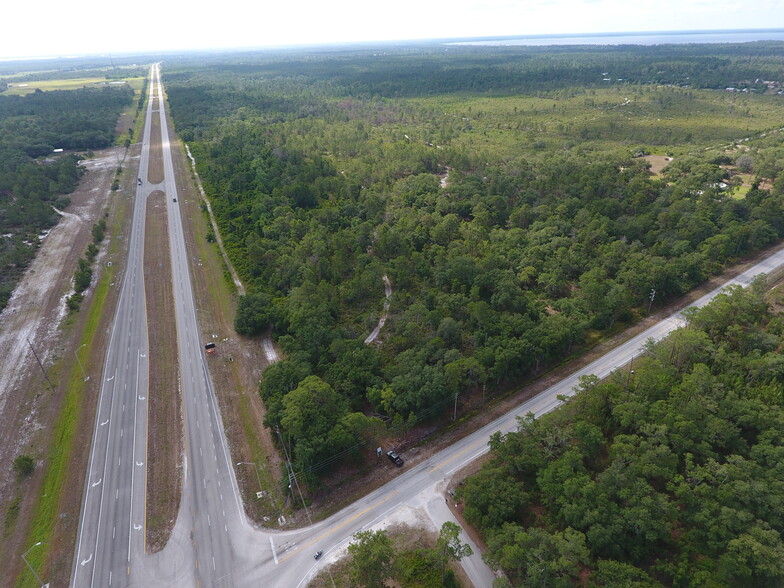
{"type": "Point", "coordinates": [667, 475]}
{"type": "Point", "coordinates": [499, 190]}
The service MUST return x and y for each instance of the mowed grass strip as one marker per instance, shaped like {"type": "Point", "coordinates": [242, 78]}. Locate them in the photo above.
{"type": "Point", "coordinates": [164, 426]}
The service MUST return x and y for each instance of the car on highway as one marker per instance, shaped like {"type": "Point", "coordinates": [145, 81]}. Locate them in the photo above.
{"type": "Point", "coordinates": [318, 554]}
{"type": "Point", "coordinates": [395, 458]}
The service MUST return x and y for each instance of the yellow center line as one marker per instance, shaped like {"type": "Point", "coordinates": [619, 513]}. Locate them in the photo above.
{"type": "Point", "coordinates": [340, 526]}
{"type": "Point", "coordinates": [469, 448]}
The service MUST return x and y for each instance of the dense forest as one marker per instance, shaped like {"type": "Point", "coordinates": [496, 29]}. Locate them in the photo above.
{"type": "Point", "coordinates": [667, 474]}
{"type": "Point", "coordinates": [438, 69]}
{"type": "Point", "coordinates": [32, 179]}
{"type": "Point", "coordinates": [501, 193]}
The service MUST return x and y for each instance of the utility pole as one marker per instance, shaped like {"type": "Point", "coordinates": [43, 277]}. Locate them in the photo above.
{"type": "Point", "coordinates": [255, 467]}
{"type": "Point", "coordinates": [41, 366]}
{"type": "Point", "coordinates": [652, 296]}
{"type": "Point", "coordinates": [76, 355]}
{"type": "Point", "coordinates": [37, 577]}
{"type": "Point", "coordinates": [293, 476]}
{"type": "Point", "coordinates": [454, 416]}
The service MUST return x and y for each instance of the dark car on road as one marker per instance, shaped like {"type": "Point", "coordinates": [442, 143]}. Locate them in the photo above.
{"type": "Point", "coordinates": [395, 458]}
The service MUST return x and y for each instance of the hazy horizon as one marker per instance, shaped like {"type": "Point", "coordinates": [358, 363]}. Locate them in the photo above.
{"type": "Point", "coordinates": [597, 38]}
{"type": "Point", "coordinates": [52, 28]}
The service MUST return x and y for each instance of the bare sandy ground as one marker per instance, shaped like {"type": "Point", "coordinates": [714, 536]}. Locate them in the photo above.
{"type": "Point", "coordinates": [35, 313]}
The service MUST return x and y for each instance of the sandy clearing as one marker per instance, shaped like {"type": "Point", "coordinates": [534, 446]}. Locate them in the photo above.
{"type": "Point", "coordinates": [36, 307]}
{"type": "Point", "coordinates": [269, 350]}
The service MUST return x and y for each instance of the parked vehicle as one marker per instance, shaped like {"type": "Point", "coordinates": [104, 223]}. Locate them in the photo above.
{"type": "Point", "coordinates": [395, 458]}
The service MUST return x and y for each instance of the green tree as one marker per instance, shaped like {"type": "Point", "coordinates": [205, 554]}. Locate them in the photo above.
{"type": "Point", "coordinates": [614, 573]}
{"type": "Point", "coordinates": [449, 547]}
{"type": "Point", "coordinates": [310, 412]}
{"type": "Point", "coordinates": [255, 312]}
{"type": "Point", "coordinates": [537, 557]}
{"type": "Point", "coordinates": [372, 558]}
{"type": "Point", "coordinates": [492, 497]}
{"type": "Point", "coordinates": [24, 465]}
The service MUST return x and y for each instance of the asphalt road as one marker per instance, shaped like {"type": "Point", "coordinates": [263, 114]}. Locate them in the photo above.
{"type": "Point", "coordinates": [111, 528]}
{"type": "Point", "coordinates": [212, 543]}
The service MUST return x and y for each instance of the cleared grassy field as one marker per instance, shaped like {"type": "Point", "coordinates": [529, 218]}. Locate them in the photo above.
{"type": "Point", "coordinates": [666, 121]}
{"type": "Point", "coordinates": [604, 119]}
{"type": "Point", "coordinates": [22, 88]}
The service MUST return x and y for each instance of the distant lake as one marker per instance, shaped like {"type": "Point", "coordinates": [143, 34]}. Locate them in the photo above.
{"type": "Point", "coordinates": [652, 38]}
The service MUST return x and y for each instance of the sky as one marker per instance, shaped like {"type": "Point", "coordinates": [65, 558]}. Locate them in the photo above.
{"type": "Point", "coordinates": [60, 28]}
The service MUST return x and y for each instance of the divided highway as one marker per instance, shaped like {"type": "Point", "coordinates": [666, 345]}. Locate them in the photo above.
{"type": "Point", "coordinates": [110, 549]}
{"type": "Point", "coordinates": [212, 543]}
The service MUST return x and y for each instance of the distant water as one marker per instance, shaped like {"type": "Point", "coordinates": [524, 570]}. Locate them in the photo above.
{"type": "Point", "coordinates": [652, 38]}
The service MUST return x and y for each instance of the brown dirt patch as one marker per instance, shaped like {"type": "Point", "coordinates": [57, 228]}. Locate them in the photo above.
{"type": "Point", "coordinates": [29, 414]}
{"type": "Point", "coordinates": [155, 171]}
{"type": "Point", "coordinates": [658, 162]}
{"type": "Point", "coordinates": [164, 424]}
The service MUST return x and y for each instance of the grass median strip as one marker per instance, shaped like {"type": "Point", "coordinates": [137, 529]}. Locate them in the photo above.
{"type": "Point", "coordinates": [164, 439]}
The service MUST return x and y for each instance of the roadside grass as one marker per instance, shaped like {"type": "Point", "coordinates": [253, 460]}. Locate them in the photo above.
{"type": "Point", "coordinates": [133, 111]}
{"type": "Point", "coordinates": [141, 112]}
{"type": "Point", "coordinates": [63, 449]}
{"type": "Point", "coordinates": [220, 292]}
{"type": "Point", "coordinates": [271, 505]}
